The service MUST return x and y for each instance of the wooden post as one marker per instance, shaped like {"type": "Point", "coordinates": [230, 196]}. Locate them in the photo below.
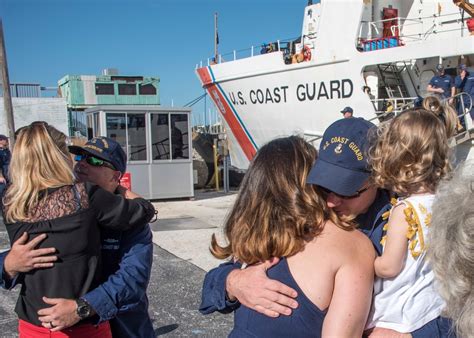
{"type": "Point", "coordinates": [7, 99]}
{"type": "Point", "coordinates": [216, 164]}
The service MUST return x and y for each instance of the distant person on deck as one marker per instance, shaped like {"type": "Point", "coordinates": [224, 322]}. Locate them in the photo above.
{"type": "Point", "coordinates": [463, 101]}
{"type": "Point", "coordinates": [469, 89]}
{"type": "Point", "coordinates": [442, 84]}
{"type": "Point", "coordinates": [347, 112]}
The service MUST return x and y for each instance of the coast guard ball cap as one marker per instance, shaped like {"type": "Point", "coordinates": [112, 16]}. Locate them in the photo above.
{"type": "Point", "coordinates": [342, 162]}
{"type": "Point", "coordinates": [439, 68]}
{"type": "Point", "coordinates": [105, 149]}
{"type": "Point", "coordinates": [347, 110]}
{"type": "Point", "coordinates": [462, 66]}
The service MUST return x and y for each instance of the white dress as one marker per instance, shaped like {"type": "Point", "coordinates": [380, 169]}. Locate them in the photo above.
{"type": "Point", "coordinates": [408, 301]}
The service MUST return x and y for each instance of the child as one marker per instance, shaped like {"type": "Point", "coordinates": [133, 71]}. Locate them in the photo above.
{"type": "Point", "coordinates": [410, 157]}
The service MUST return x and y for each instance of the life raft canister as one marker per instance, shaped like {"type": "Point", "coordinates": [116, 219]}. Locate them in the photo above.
{"type": "Point", "coordinates": [306, 53]}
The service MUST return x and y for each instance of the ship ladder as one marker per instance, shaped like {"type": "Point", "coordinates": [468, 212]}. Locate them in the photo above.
{"type": "Point", "coordinates": [393, 84]}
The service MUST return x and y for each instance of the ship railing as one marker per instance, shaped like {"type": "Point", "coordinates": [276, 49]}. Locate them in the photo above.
{"type": "Point", "coordinates": [371, 38]}
{"type": "Point", "coordinates": [285, 46]}
{"type": "Point", "coordinates": [382, 116]}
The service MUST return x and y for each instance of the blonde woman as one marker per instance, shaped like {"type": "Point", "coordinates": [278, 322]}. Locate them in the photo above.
{"type": "Point", "coordinates": [410, 158]}
{"type": "Point", "coordinates": [325, 260]}
{"type": "Point", "coordinates": [43, 198]}
{"type": "Point", "coordinates": [451, 250]}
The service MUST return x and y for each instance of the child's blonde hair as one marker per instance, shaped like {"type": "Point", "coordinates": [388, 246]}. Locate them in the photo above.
{"type": "Point", "coordinates": [410, 154]}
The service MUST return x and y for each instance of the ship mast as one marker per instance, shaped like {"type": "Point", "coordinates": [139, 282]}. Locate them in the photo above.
{"type": "Point", "coordinates": [216, 39]}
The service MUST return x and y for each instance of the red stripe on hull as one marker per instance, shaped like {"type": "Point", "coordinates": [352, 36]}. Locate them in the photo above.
{"type": "Point", "coordinates": [204, 76]}
{"type": "Point", "coordinates": [233, 123]}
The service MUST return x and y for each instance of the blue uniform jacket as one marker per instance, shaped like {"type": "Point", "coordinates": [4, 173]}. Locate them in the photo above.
{"type": "Point", "coordinates": [213, 291]}
{"type": "Point", "coordinates": [445, 82]}
{"type": "Point", "coordinates": [127, 259]}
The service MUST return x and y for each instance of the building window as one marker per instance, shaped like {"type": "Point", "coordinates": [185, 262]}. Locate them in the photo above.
{"type": "Point", "coordinates": [147, 89]}
{"type": "Point", "coordinates": [116, 128]}
{"type": "Point", "coordinates": [179, 136]}
{"type": "Point", "coordinates": [136, 127]}
{"type": "Point", "coordinates": [104, 89]}
{"type": "Point", "coordinates": [127, 89]}
{"type": "Point", "coordinates": [160, 140]}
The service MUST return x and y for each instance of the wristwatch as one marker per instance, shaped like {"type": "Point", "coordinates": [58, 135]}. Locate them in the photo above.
{"type": "Point", "coordinates": [83, 308]}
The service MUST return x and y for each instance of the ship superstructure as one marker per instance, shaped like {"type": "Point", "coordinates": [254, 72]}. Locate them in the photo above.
{"type": "Point", "coordinates": [380, 59]}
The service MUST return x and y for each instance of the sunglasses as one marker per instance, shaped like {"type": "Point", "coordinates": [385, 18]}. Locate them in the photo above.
{"type": "Point", "coordinates": [94, 161]}
{"type": "Point", "coordinates": [357, 194]}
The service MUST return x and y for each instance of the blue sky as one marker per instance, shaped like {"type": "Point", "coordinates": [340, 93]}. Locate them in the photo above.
{"type": "Point", "coordinates": [47, 39]}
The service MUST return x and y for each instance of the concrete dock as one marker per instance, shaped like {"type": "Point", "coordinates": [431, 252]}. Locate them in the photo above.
{"type": "Point", "coordinates": [181, 257]}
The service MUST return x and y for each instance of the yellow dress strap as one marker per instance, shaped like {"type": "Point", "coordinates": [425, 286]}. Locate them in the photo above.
{"type": "Point", "coordinates": [415, 230]}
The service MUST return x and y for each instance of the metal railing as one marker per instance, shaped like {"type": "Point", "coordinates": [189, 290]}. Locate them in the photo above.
{"type": "Point", "coordinates": [277, 46]}
{"type": "Point", "coordinates": [373, 28]}
{"type": "Point", "coordinates": [388, 115]}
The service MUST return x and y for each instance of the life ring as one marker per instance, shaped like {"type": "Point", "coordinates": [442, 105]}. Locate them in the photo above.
{"type": "Point", "coordinates": [306, 53]}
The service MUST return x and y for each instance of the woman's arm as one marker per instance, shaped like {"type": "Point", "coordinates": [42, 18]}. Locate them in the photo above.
{"type": "Point", "coordinates": [352, 295]}
{"type": "Point", "coordinates": [391, 262]}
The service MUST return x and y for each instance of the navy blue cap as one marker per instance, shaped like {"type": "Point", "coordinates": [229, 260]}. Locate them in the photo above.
{"type": "Point", "coordinates": [104, 148]}
{"type": "Point", "coordinates": [342, 165]}
{"type": "Point", "coordinates": [462, 66]}
{"type": "Point", "coordinates": [440, 68]}
{"type": "Point", "coordinates": [347, 110]}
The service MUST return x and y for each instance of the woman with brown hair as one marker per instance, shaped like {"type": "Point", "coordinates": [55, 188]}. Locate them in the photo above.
{"type": "Point", "coordinates": [44, 198]}
{"type": "Point", "coordinates": [324, 259]}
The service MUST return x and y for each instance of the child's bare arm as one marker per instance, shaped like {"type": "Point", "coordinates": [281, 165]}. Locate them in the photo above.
{"type": "Point", "coordinates": [391, 262]}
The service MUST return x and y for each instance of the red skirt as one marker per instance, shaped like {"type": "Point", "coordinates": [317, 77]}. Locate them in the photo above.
{"type": "Point", "coordinates": [28, 330]}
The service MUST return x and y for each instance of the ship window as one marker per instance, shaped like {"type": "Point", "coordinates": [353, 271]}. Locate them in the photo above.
{"type": "Point", "coordinates": [136, 128]}
{"type": "Point", "coordinates": [104, 89]}
{"type": "Point", "coordinates": [160, 140]}
{"type": "Point", "coordinates": [147, 89]}
{"type": "Point", "coordinates": [179, 136]}
{"type": "Point", "coordinates": [127, 89]}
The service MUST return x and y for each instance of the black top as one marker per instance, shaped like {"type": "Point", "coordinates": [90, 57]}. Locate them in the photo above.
{"type": "Point", "coordinates": [70, 216]}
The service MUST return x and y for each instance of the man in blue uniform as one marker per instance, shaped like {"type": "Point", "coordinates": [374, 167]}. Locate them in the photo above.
{"type": "Point", "coordinates": [442, 84]}
{"type": "Point", "coordinates": [126, 258]}
{"type": "Point", "coordinates": [347, 112]}
{"type": "Point", "coordinates": [469, 89]}
{"type": "Point", "coordinates": [459, 83]}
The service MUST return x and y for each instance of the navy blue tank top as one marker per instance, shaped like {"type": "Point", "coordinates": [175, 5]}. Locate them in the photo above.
{"type": "Point", "coordinates": [305, 321]}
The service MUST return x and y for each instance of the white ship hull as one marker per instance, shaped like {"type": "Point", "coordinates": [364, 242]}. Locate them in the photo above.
{"type": "Point", "coordinates": [261, 97]}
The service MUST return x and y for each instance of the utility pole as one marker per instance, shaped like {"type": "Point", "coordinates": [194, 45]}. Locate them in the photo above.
{"type": "Point", "coordinates": [7, 99]}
